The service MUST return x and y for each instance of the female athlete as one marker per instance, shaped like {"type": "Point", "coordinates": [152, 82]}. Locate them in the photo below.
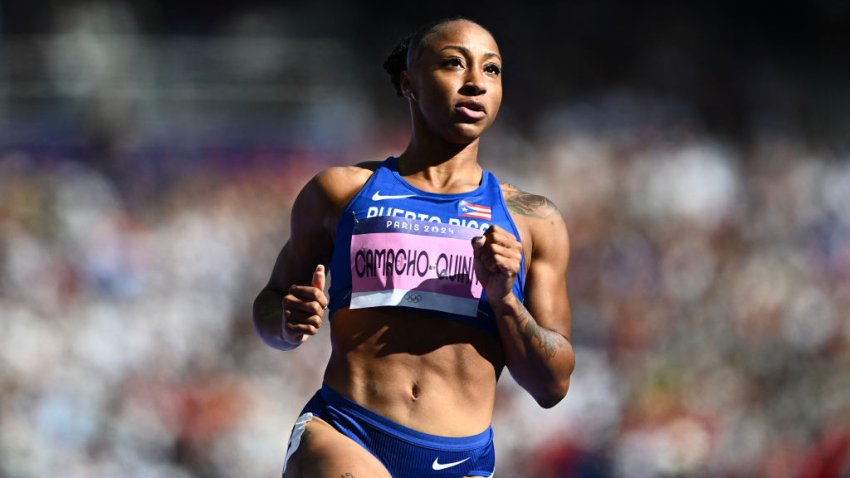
{"type": "Point", "coordinates": [440, 277]}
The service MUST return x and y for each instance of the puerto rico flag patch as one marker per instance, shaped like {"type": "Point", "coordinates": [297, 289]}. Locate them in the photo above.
{"type": "Point", "coordinates": [468, 209]}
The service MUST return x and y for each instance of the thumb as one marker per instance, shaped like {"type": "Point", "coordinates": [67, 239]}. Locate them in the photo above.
{"type": "Point", "coordinates": [478, 242]}
{"type": "Point", "coordinates": [319, 277]}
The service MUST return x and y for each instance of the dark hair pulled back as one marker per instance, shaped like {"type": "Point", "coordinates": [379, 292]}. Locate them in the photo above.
{"type": "Point", "coordinates": [407, 49]}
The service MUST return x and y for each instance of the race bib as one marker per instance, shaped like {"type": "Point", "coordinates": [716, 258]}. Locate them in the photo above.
{"type": "Point", "coordinates": [405, 262]}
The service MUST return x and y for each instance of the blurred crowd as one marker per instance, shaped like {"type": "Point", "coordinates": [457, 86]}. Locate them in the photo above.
{"type": "Point", "coordinates": [710, 288]}
{"type": "Point", "coordinates": [709, 275]}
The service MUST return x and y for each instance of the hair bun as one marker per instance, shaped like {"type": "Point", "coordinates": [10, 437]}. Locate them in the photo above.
{"type": "Point", "coordinates": [396, 62]}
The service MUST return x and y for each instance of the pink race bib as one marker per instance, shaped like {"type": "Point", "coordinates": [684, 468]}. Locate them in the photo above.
{"type": "Point", "coordinates": [405, 262]}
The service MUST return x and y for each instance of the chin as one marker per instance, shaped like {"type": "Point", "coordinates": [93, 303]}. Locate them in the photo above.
{"type": "Point", "coordinates": [461, 140]}
{"type": "Point", "coordinates": [464, 133]}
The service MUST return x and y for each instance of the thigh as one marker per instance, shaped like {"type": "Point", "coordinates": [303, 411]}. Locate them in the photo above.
{"type": "Point", "coordinates": [326, 453]}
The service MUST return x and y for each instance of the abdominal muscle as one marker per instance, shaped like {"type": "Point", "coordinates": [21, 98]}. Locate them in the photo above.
{"type": "Point", "coordinates": [421, 371]}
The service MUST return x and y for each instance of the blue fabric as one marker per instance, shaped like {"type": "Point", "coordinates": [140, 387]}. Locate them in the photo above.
{"type": "Point", "coordinates": [386, 193]}
{"type": "Point", "coordinates": [403, 451]}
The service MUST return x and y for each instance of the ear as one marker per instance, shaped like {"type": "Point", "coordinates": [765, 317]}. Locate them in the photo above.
{"type": "Point", "coordinates": [406, 87]}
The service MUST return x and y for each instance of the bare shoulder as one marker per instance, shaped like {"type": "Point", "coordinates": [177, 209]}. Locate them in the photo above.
{"type": "Point", "coordinates": [537, 217]}
{"type": "Point", "coordinates": [338, 184]}
{"type": "Point", "coordinates": [527, 204]}
{"type": "Point", "coordinates": [318, 205]}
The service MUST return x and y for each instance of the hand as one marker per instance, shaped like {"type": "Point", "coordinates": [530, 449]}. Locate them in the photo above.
{"type": "Point", "coordinates": [303, 308]}
{"type": "Point", "coordinates": [497, 258]}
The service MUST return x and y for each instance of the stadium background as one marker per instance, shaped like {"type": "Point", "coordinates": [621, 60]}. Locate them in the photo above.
{"type": "Point", "coordinates": [700, 152]}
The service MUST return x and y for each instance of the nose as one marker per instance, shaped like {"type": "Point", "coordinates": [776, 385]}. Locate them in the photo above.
{"type": "Point", "coordinates": [473, 83]}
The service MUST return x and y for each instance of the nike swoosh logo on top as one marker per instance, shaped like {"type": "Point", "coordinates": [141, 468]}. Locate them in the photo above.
{"type": "Point", "coordinates": [378, 197]}
{"type": "Point", "coordinates": [442, 466]}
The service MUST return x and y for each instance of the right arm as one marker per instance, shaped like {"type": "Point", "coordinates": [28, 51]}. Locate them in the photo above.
{"type": "Point", "coordinates": [286, 312]}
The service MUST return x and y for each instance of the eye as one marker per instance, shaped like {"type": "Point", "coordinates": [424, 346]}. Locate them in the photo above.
{"type": "Point", "coordinates": [453, 62]}
{"type": "Point", "coordinates": [493, 69]}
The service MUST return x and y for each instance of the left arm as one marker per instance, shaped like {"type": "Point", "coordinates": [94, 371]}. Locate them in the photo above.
{"type": "Point", "coordinates": [535, 336]}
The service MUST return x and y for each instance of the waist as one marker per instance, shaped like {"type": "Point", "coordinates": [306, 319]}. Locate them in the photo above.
{"type": "Point", "coordinates": [429, 375]}
{"type": "Point", "coordinates": [340, 402]}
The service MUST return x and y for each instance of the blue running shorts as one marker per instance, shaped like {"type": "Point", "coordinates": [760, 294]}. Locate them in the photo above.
{"type": "Point", "coordinates": [403, 451]}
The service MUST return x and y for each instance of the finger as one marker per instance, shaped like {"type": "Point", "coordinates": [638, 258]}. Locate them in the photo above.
{"type": "Point", "coordinates": [319, 277]}
{"type": "Point", "coordinates": [311, 307]}
{"type": "Point", "coordinates": [294, 339]}
{"type": "Point", "coordinates": [294, 330]}
{"type": "Point", "coordinates": [298, 317]}
{"type": "Point", "coordinates": [485, 258]}
{"type": "Point", "coordinates": [477, 248]}
{"type": "Point", "coordinates": [478, 242]}
{"type": "Point", "coordinates": [309, 294]}
{"type": "Point", "coordinates": [496, 232]}
{"type": "Point", "coordinates": [493, 261]}
{"type": "Point", "coordinates": [503, 250]}
{"type": "Point", "coordinates": [492, 251]}
{"type": "Point", "coordinates": [502, 236]}
{"type": "Point", "coordinates": [506, 266]}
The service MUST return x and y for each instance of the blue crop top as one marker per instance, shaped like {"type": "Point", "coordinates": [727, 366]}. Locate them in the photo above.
{"type": "Point", "coordinates": [399, 246]}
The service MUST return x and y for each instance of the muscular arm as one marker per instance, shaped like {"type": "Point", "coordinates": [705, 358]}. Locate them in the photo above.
{"type": "Point", "coordinates": [535, 336]}
{"type": "Point", "coordinates": [313, 222]}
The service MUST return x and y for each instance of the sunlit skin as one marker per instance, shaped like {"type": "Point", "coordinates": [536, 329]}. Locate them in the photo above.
{"type": "Point", "coordinates": [427, 373]}
{"type": "Point", "coordinates": [456, 85]}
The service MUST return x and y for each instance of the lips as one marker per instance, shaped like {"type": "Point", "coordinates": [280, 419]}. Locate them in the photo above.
{"type": "Point", "coordinates": [471, 109]}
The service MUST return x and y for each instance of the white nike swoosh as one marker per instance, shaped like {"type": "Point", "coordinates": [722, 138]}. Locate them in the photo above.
{"type": "Point", "coordinates": [442, 466]}
{"type": "Point", "coordinates": [377, 196]}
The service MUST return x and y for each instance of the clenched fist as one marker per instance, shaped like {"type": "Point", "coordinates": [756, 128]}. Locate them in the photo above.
{"type": "Point", "coordinates": [497, 259]}
{"type": "Point", "coordinates": [303, 308]}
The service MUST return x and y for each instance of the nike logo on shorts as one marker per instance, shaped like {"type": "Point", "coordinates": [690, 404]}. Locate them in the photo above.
{"type": "Point", "coordinates": [378, 197]}
{"type": "Point", "coordinates": [442, 466]}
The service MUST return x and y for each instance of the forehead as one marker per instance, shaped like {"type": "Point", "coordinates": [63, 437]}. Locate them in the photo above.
{"type": "Point", "coordinates": [461, 33]}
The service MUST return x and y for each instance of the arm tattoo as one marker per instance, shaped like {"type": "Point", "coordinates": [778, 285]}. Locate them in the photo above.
{"type": "Point", "coordinates": [530, 205]}
{"type": "Point", "coordinates": [546, 340]}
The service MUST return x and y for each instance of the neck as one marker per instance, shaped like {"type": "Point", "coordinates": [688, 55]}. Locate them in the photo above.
{"type": "Point", "coordinates": [441, 166]}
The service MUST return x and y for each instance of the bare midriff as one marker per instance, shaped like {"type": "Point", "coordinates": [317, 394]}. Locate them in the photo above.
{"type": "Point", "coordinates": [421, 371]}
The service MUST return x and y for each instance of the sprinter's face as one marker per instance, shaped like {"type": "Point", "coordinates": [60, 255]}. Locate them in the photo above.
{"type": "Point", "coordinates": [455, 82]}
